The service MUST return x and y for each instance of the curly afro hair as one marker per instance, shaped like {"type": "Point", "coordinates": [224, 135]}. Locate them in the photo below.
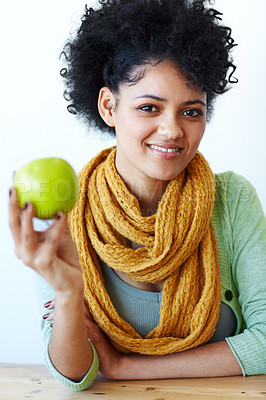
{"type": "Point", "coordinates": [122, 34]}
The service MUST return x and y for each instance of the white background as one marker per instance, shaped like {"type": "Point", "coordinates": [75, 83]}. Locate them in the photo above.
{"type": "Point", "coordinates": [35, 123]}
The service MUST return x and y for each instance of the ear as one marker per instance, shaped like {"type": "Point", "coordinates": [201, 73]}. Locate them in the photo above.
{"type": "Point", "coordinates": [106, 104]}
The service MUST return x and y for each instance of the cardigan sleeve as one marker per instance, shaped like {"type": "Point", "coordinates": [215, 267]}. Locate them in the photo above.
{"type": "Point", "coordinates": [248, 228]}
{"type": "Point", "coordinates": [46, 293]}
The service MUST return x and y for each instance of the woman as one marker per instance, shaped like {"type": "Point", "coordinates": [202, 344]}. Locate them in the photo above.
{"type": "Point", "coordinates": [168, 257]}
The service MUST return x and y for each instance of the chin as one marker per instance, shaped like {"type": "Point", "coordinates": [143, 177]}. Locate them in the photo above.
{"type": "Point", "coordinates": [165, 177]}
{"type": "Point", "coordinates": [169, 175]}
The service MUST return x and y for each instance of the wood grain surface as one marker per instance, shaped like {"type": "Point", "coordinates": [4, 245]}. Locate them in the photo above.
{"type": "Point", "coordinates": [19, 381]}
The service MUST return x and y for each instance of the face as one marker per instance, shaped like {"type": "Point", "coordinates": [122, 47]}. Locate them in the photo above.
{"type": "Point", "coordinates": [159, 123]}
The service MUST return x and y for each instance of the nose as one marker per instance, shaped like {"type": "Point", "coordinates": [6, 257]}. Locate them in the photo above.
{"type": "Point", "coordinates": [170, 127]}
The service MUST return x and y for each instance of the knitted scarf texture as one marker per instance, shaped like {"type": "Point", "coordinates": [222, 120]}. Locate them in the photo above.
{"type": "Point", "coordinates": [178, 247]}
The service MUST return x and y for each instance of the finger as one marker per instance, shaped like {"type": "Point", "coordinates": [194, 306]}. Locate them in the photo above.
{"type": "Point", "coordinates": [87, 312]}
{"type": "Point", "coordinates": [59, 216]}
{"type": "Point", "coordinates": [28, 235]}
{"type": "Point", "coordinates": [50, 304]}
{"type": "Point", "coordinates": [53, 236]}
{"type": "Point", "coordinates": [14, 211]}
{"type": "Point", "coordinates": [93, 330]}
{"type": "Point", "coordinates": [48, 316]}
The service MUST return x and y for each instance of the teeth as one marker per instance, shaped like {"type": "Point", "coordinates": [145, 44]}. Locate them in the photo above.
{"type": "Point", "coordinates": [152, 146]}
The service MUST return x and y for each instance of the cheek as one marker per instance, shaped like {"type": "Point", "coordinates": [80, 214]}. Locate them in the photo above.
{"type": "Point", "coordinates": [144, 129]}
{"type": "Point", "coordinates": [195, 135]}
{"type": "Point", "coordinates": [136, 133]}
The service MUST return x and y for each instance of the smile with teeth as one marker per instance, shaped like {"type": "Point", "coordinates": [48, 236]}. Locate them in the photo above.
{"type": "Point", "coordinates": [164, 149]}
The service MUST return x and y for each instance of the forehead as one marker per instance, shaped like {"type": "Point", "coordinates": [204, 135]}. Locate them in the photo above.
{"type": "Point", "coordinates": [161, 78]}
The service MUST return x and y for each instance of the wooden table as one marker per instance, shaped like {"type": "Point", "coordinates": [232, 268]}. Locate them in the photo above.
{"type": "Point", "coordinates": [34, 382]}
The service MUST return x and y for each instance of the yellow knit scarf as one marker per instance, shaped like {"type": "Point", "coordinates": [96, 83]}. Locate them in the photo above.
{"type": "Point", "coordinates": [179, 248]}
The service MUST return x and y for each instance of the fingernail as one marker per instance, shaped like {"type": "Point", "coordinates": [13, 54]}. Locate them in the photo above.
{"type": "Point", "coordinates": [10, 192]}
{"type": "Point", "coordinates": [45, 316]}
{"type": "Point", "coordinates": [58, 216]}
{"type": "Point", "coordinates": [46, 305]}
{"type": "Point", "coordinates": [26, 205]}
{"type": "Point", "coordinates": [51, 325]}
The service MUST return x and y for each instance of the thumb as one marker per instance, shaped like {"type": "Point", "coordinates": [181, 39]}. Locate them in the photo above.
{"type": "Point", "coordinates": [54, 233]}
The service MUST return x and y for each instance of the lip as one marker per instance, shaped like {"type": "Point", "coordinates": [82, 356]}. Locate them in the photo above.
{"type": "Point", "coordinates": [157, 149]}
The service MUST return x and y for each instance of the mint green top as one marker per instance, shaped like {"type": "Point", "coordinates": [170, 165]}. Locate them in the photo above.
{"type": "Point", "coordinates": [240, 229]}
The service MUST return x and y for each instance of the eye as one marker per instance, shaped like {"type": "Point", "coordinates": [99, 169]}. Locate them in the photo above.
{"type": "Point", "coordinates": [193, 113]}
{"type": "Point", "coordinates": [148, 108]}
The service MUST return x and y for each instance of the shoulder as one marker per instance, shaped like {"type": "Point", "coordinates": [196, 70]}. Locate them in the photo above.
{"type": "Point", "coordinates": [230, 185]}
{"type": "Point", "coordinates": [238, 213]}
{"type": "Point", "coordinates": [237, 209]}
{"type": "Point", "coordinates": [233, 193]}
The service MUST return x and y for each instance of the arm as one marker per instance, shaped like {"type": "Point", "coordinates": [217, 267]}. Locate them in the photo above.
{"type": "Point", "coordinates": [210, 360]}
{"type": "Point", "coordinates": [213, 359]}
{"type": "Point", "coordinates": [69, 348]}
{"type": "Point", "coordinates": [46, 308]}
{"type": "Point", "coordinates": [249, 273]}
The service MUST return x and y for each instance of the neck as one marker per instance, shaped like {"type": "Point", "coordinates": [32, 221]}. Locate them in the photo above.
{"type": "Point", "coordinates": [148, 192]}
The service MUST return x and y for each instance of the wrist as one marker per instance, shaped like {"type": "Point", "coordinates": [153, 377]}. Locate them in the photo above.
{"type": "Point", "coordinates": [75, 291]}
{"type": "Point", "coordinates": [70, 297]}
{"type": "Point", "coordinates": [120, 367]}
{"type": "Point", "coordinates": [130, 366]}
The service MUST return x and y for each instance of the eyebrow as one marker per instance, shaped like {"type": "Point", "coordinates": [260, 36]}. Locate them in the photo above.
{"type": "Point", "coordinates": [186, 103]}
{"type": "Point", "coordinates": [151, 96]}
{"type": "Point", "coordinates": [196, 101]}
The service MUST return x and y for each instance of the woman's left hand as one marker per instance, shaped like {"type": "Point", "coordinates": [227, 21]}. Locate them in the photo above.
{"type": "Point", "coordinates": [110, 359]}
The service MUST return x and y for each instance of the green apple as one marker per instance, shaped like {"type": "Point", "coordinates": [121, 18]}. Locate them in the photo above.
{"type": "Point", "coordinates": [50, 184]}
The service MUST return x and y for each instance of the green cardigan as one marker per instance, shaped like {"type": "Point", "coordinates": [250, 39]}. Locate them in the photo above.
{"type": "Point", "coordinates": [240, 230]}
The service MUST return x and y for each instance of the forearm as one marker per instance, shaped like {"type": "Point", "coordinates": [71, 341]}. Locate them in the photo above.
{"type": "Point", "coordinates": [214, 359]}
{"type": "Point", "coordinates": [69, 349]}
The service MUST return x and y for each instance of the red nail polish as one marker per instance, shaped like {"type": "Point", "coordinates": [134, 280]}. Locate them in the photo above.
{"type": "Point", "coordinates": [45, 316]}
{"type": "Point", "coordinates": [46, 305]}
{"type": "Point", "coordinates": [26, 206]}
{"type": "Point", "coordinates": [10, 192]}
{"type": "Point", "coordinates": [51, 325]}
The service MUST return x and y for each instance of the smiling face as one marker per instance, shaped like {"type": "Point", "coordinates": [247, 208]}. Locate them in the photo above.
{"type": "Point", "coordinates": [159, 123]}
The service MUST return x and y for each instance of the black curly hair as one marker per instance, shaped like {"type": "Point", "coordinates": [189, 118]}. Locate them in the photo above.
{"type": "Point", "coordinates": [122, 34]}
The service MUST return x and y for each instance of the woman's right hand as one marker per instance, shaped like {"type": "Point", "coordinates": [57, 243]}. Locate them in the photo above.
{"type": "Point", "coordinates": [51, 253]}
